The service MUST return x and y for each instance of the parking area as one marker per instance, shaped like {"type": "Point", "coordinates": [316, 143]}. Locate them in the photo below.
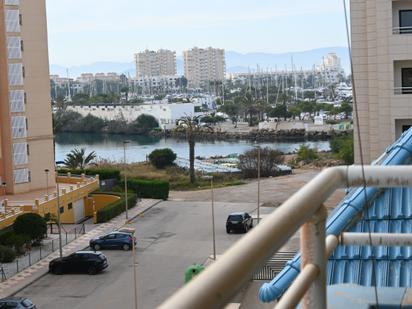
{"type": "Point", "coordinates": [170, 237]}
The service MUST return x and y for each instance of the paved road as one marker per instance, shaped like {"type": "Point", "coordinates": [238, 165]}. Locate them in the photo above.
{"type": "Point", "coordinates": [171, 236]}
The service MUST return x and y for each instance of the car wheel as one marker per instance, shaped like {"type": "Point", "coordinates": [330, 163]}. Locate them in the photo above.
{"type": "Point", "coordinates": [126, 247]}
{"type": "Point", "coordinates": [92, 270]}
{"type": "Point", "coordinates": [246, 228]}
{"type": "Point", "coordinates": [251, 224]}
{"type": "Point", "coordinates": [96, 247]}
{"type": "Point", "coordinates": [56, 270]}
{"type": "Point", "coordinates": [228, 231]}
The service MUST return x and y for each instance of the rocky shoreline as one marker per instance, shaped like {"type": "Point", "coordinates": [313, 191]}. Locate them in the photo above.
{"type": "Point", "coordinates": [292, 135]}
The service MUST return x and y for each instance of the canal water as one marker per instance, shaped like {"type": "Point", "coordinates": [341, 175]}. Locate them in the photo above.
{"type": "Point", "coordinates": [110, 146]}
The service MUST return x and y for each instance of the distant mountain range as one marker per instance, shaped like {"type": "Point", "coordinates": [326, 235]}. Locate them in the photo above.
{"type": "Point", "coordinates": [235, 62]}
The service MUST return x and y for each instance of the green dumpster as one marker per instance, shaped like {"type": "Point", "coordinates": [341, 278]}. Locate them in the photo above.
{"type": "Point", "coordinates": [192, 271]}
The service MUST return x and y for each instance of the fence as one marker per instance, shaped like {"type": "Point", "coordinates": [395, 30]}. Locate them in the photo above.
{"type": "Point", "coordinates": [35, 254]}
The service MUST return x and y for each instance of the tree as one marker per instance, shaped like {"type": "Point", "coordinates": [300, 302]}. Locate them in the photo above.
{"type": "Point", "coordinates": [306, 154]}
{"type": "Point", "coordinates": [232, 110]}
{"type": "Point", "coordinates": [125, 90]}
{"type": "Point", "coordinates": [61, 103]}
{"type": "Point", "coordinates": [145, 123]}
{"type": "Point", "coordinates": [161, 158]}
{"type": "Point", "coordinates": [32, 225]}
{"type": "Point", "coordinates": [345, 108]}
{"type": "Point", "coordinates": [77, 158]}
{"type": "Point", "coordinates": [192, 127]}
{"type": "Point", "coordinates": [249, 106]}
{"type": "Point", "coordinates": [269, 160]}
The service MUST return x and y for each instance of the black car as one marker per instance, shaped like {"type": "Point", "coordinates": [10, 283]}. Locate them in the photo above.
{"type": "Point", "coordinates": [239, 221]}
{"type": "Point", "coordinates": [16, 303]}
{"type": "Point", "coordinates": [79, 262]}
{"type": "Point", "coordinates": [114, 240]}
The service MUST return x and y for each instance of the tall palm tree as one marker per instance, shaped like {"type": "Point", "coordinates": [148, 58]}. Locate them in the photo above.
{"type": "Point", "coordinates": [249, 106]}
{"type": "Point", "coordinates": [77, 158]}
{"type": "Point", "coordinates": [191, 124]}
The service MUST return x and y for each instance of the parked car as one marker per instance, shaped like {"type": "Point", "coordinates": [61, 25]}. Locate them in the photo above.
{"type": "Point", "coordinates": [114, 240]}
{"type": "Point", "coordinates": [239, 221]}
{"type": "Point", "coordinates": [90, 262]}
{"type": "Point", "coordinates": [16, 303]}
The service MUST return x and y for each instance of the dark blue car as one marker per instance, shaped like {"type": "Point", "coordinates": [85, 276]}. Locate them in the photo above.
{"type": "Point", "coordinates": [114, 240]}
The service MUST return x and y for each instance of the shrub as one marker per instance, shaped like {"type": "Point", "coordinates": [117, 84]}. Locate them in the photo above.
{"type": "Point", "coordinates": [30, 224]}
{"type": "Point", "coordinates": [157, 189]}
{"type": "Point", "coordinates": [306, 154]}
{"type": "Point", "coordinates": [116, 208]}
{"type": "Point", "coordinates": [269, 158]}
{"type": "Point", "coordinates": [342, 147]}
{"type": "Point", "coordinates": [104, 173]}
{"type": "Point", "coordinates": [161, 158]}
{"type": "Point", "coordinates": [7, 255]}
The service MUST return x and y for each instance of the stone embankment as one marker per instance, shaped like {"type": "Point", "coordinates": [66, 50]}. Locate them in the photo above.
{"type": "Point", "coordinates": [258, 135]}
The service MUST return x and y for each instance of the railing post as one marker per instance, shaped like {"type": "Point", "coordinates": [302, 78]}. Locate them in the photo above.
{"type": "Point", "coordinates": [312, 244]}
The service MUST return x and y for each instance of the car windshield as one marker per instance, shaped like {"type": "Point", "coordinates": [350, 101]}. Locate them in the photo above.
{"type": "Point", "coordinates": [27, 303]}
{"type": "Point", "coordinates": [235, 218]}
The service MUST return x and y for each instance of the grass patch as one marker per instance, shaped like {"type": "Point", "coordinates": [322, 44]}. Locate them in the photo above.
{"type": "Point", "coordinates": [177, 177]}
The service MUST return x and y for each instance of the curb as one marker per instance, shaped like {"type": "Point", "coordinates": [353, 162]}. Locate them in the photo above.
{"type": "Point", "coordinates": [44, 273]}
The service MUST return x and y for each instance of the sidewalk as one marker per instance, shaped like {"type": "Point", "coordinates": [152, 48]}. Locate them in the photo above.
{"type": "Point", "coordinates": [19, 281]}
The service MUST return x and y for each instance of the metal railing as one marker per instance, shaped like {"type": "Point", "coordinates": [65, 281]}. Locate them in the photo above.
{"type": "Point", "coordinates": [33, 254]}
{"type": "Point", "coordinates": [403, 90]}
{"type": "Point", "coordinates": [214, 287]}
{"type": "Point", "coordinates": [401, 30]}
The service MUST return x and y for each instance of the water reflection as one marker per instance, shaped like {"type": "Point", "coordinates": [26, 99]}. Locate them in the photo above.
{"type": "Point", "coordinates": [110, 146]}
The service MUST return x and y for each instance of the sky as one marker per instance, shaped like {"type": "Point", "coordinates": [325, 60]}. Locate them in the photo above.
{"type": "Point", "coordinates": [86, 31]}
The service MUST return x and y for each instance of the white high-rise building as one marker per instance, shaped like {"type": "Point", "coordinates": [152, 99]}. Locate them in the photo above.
{"type": "Point", "coordinates": [330, 69]}
{"type": "Point", "coordinates": [155, 63]}
{"type": "Point", "coordinates": [382, 59]}
{"type": "Point", "coordinates": [203, 65]}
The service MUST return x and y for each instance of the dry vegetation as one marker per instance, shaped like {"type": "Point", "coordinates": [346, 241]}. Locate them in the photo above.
{"type": "Point", "coordinates": [177, 177]}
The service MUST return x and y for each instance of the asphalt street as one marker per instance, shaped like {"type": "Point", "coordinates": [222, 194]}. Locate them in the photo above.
{"type": "Point", "coordinates": [171, 236]}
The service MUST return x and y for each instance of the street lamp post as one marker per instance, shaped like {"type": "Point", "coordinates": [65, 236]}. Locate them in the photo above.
{"type": "Point", "coordinates": [213, 214]}
{"type": "Point", "coordinates": [47, 181]}
{"type": "Point", "coordinates": [125, 178]}
{"type": "Point", "coordinates": [134, 272]}
{"type": "Point", "coordinates": [58, 217]}
{"type": "Point", "coordinates": [258, 189]}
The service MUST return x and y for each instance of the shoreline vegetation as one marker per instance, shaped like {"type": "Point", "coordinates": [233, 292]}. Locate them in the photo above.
{"type": "Point", "coordinates": [72, 122]}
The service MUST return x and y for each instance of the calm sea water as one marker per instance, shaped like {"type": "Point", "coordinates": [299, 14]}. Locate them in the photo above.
{"type": "Point", "coordinates": [110, 146]}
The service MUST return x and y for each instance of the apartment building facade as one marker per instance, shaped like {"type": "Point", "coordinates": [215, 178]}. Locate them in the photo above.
{"type": "Point", "coordinates": [26, 133]}
{"type": "Point", "coordinates": [155, 63]}
{"type": "Point", "coordinates": [203, 65]}
{"type": "Point", "coordinates": [382, 58]}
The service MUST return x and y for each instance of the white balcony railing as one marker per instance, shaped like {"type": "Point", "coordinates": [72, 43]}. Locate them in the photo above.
{"type": "Point", "coordinates": [215, 286]}
{"type": "Point", "coordinates": [401, 30]}
{"type": "Point", "coordinates": [403, 90]}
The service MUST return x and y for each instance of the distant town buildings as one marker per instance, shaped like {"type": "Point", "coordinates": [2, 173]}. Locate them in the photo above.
{"type": "Point", "coordinates": [151, 63]}
{"type": "Point", "coordinates": [26, 120]}
{"type": "Point", "coordinates": [330, 69]}
{"type": "Point", "coordinates": [204, 65]}
{"type": "Point", "coordinates": [383, 72]}
{"type": "Point", "coordinates": [167, 114]}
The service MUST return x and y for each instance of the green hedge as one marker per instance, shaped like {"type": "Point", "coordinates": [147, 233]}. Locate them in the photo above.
{"type": "Point", "coordinates": [7, 255]}
{"type": "Point", "coordinates": [116, 208]}
{"type": "Point", "coordinates": [104, 173]}
{"type": "Point", "coordinates": [157, 189]}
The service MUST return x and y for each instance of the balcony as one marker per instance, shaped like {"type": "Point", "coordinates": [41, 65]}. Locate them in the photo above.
{"type": "Point", "coordinates": [402, 17]}
{"type": "Point", "coordinates": [402, 77]}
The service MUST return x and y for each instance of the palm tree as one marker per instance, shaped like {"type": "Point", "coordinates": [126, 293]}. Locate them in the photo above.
{"type": "Point", "coordinates": [192, 127]}
{"type": "Point", "coordinates": [77, 158]}
{"type": "Point", "coordinates": [249, 106]}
